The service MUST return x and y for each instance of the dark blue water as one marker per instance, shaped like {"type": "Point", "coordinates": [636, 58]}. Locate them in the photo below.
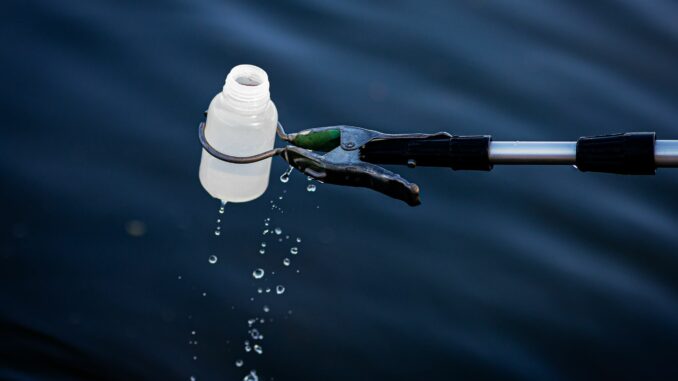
{"type": "Point", "coordinates": [539, 273]}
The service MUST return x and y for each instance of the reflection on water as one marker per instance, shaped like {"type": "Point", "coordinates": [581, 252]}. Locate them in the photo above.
{"type": "Point", "coordinates": [519, 273]}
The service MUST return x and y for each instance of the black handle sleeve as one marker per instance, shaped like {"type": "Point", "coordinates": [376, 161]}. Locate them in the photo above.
{"type": "Point", "coordinates": [439, 150]}
{"type": "Point", "coordinates": [631, 153]}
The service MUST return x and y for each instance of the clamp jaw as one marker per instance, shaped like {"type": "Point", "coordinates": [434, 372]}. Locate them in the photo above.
{"type": "Point", "coordinates": [342, 162]}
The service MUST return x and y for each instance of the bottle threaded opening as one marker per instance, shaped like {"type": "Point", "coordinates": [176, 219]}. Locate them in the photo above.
{"type": "Point", "coordinates": [247, 87]}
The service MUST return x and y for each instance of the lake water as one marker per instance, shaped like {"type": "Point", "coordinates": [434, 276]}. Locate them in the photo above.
{"type": "Point", "coordinates": [538, 273]}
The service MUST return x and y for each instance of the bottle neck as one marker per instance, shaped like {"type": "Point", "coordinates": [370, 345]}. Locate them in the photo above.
{"type": "Point", "coordinates": [246, 89]}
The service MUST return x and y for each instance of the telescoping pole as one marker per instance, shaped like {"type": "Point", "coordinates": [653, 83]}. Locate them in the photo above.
{"type": "Point", "coordinates": [665, 153]}
{"type": "Point", "coordinates": [631, 153]}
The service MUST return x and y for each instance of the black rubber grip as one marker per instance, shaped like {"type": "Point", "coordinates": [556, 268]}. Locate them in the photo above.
{"type": "Point", "coordinates": [439, 150]}
{"type": "Point", "coordinates": [631, 153]}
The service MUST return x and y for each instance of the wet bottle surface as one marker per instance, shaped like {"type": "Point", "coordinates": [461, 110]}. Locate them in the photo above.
{"type": "Point", "coordinates": [241, 121]}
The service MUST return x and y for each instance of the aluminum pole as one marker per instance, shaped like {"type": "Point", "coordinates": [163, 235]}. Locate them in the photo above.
{"type": "Point", "coordinates": [565, 153]}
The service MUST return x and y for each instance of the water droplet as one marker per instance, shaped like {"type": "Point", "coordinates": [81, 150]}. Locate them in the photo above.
{"type": "Point", "coordinates": [195, 357]}
{"type": "Point", "coordinates": [192, 332]}
{"type": "Point", "coordinates": [204, 294]}
{"type": "Point", "coordinates": [262, 251]}
{"type": "Point", "coordinates": [263, 244]}
{"type": "Point", "coordinates": [179, 277]}
{"type": "Point", "coordinates": [294, 250]}
{"type": "Point", "coordinates": [266, 309]}
{"type": "Point", "coordinates": [248, 348]}
{"type": "Point", "coordinates": [217, 232]}
{"type": "Point", "coordinates": [218, 220]}
{"type": "Point", "coordinates": [251, 321]}
{"type": "Point", "coordinates": [258, 273]}
{"type": "Point", "coordinates": [310, 188]}
{"type": "Point", "coordinates": [212, 259]}
{"type": "Point", "coordinates": [221, 208]}
{"type": "Point", "coordinates": [259, 290]}
{"type": "Point", "coordinates": [252, 376]}
{"type": "Point", "coordinates": [298, 240]}
{"type": "Point", "coordinates": [278, 231]}
{"type": "Point", "coordinates": [258, 349]}
{"type": "Point", "coordinates": [239, 363]}
{"type": "Point", "coordinates": [192, 378]}
{"type": "Point", "coordinates": [285, 177]}
{"type": "Point", "coordinates": [268, 290]}
{"type": "Point", "coordinates": [286, 261]}
{"type": "Point", "coordinates": [264, 232]}
{"type": "Point", "coordinates": [287, 237]}
{"type": "Point", "coordinates": [279, 289]}
{"type": "Point", "coordinates": [255, 334]}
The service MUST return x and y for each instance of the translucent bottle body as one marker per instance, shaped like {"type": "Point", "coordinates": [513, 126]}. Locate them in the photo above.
{"type": "Point", "coordinates": [241, 121]}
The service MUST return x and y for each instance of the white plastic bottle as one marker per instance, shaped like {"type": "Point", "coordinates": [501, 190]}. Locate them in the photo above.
{"type": "Point", "coordinates": [241, 121]}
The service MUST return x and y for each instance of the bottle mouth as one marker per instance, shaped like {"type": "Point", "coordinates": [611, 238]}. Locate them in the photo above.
{"type": "Point", "coordinates": [248, 86]}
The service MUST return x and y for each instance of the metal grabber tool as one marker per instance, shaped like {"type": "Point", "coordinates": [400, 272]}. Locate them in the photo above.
{"type": "Point", "coordinates": [347, 155]}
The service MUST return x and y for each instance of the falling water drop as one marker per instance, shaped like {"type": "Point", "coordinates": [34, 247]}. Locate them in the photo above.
{"type": "Point", "coordinates": [263, 244]}
{"type": "Point", "coordinates": [278, 231]}
{"type": "Point", "coordinates": [252, 376]}
{"type": "Point", "coordinates": [217, 232]}
{"type": "Point", "coordinates": [262, 251]}
{"type": "Point", "coordinates": [221, 208]}
{"type": "Point", "coordinates": [298, 240]}
{"type": "Point", "coordinates": [279, 289]}
{"type": "Point", "coordinates": [238, 363]}
{"type": "Point", "coordinates": [285, 177]}
{"type": "Point", "coordinates": [266, 309]}
{"type": "Point", "coordinates": [258, 273]}
{"type": "Point", "coordinates": [294, 250]}
{"type": "Point", "coordinates": [255, 334]}
{"type": "Point", "coordinates": [286, 261]}
{"type": "Point", "coordinates": [212, 259]}
{"type": "Point", "coordinates": [258, 349]}
{"type": "Point", "coordinates": [310, 188]}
